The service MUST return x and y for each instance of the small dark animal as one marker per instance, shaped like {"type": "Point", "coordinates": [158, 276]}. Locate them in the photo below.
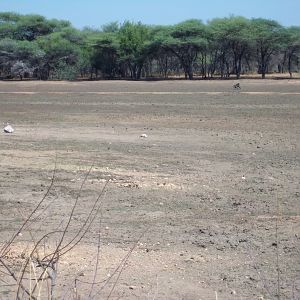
{"type": "Point", "coordinates": [237, 86]}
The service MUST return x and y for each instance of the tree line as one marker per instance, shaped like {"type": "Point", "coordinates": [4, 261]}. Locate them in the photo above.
{"type": "Point", "coordinates": [35, 47]}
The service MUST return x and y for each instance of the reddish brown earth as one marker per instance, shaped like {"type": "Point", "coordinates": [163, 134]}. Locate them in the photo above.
{"type": "Point", "coordinates": [205, 207]}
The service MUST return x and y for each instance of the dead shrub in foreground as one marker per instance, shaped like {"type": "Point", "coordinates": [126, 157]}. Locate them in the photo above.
{"type": "Point", "coordinates": [29, 269]}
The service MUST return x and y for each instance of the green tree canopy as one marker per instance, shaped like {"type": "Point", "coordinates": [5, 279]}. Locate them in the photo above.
{"type": "Point", "coordinates": [60, 53]}
{"type": "Point", "coordinates": [104, 54]}
{"type": "Point", "coordinates": [52, 48]}
{"type": "Point", "coordinates": [291, 46]}
{"type": "Point", "coordinates": [185, 40]}
{"type": "Point", "coordinates": [267, 37]}
{"type": "Point", "coordinates": [230, 36]}
{"type": "Point", "coordinates": [26, 53]}
{"type": "Point", "coordinates": [133, 39]}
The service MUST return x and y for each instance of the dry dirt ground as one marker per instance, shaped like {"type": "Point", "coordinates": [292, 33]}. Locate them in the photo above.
{"type": "Point", "coordinates": [205, 207]}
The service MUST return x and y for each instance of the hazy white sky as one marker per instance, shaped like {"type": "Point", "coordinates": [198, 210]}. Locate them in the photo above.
{"type": "Point", "coordinates": [95, 13]}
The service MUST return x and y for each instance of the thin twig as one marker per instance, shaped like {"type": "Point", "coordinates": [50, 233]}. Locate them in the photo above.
{"type": "Point", "coordinates": [98, 258]}
{"type": "Point", "coordinates": [15, 278]}
{"type": "Point", "coordinates": [86, 221]}
{"type": "Point", "coordinates": [7, 245]}
{"type": "Point", "coordinates": [277, 251]}
{"type": "Point", "coordinates": [56, 253]}
{"type": "Point", "coordinates": [27, 261]}
{"type": "Point", "coordinates": [85, 231]}
{"type": "Point", "coordinates": [120, 266]}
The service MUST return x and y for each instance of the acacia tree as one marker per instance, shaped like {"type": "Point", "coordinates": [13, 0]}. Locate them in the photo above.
{"type": "Point", "coordinates": [104, 54]}
{"type": "Point", "coordinates": [61, 57]}
{"type": "Point", "coordinates": [112, 27]}
{"type": "Point", "coordinates": [267, 38]}
{"type": "Point", "coordinates": [8, 21]}
{"type": "Point", "coordinates": [291, 46]}
{"type": "Point", "coordinates": [28, 27]}
{"type": "Point", "coordinates": [161, 57]}
{"type": "Point", "coordinates": [185, 40]}
{"type": "Point", "coordinates": [134, 39]}
{"type": "Point", "coordinates": [232, 38]}
{"type": "Point", "coordinates": [7, 57]}
{"type": "Point", "coordinates": [54, 49]}
{"type": "Point", "coordinates": [16, 56]}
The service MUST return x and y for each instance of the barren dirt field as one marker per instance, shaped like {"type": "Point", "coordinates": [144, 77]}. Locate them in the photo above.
{"type": "Point", "coordinates": [206, 206]}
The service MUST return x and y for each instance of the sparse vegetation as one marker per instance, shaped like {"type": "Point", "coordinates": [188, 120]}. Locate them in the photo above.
{"type": "Point", "coordinates": [30, 271]}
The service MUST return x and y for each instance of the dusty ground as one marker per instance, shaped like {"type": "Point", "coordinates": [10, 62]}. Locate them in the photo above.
{"type": "Point", "coordinates": [205, 207]}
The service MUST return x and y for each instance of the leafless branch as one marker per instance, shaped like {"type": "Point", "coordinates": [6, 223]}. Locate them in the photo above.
{"type": "Point", "coordinates": [7, 245]}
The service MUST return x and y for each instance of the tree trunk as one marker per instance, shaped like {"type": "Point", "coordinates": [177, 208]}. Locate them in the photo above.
{"type": "Point", "coordinates": [239, 67]}
{"type": "Point", "coordinates": [191, 75]}
{"type": "Point", "coordinates": [205, 65]}
{"type": "Point", "coordinates": [166, 67]}
{"type": "Point", "coordinates": [263, 70]}
{"type": "Point", "coordinates": [290, 66]}
{"type": "Point", "coordinates": [139, 72]}
{"type": "Point", "coordinates": [188, 72]}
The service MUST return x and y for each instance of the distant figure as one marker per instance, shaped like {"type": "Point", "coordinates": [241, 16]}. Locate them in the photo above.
{"type": "Point", "coordinates": [237, 86]}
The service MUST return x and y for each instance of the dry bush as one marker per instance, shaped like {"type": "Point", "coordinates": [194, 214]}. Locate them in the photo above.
{"type": "Point", "coordinates": [29, 269]}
